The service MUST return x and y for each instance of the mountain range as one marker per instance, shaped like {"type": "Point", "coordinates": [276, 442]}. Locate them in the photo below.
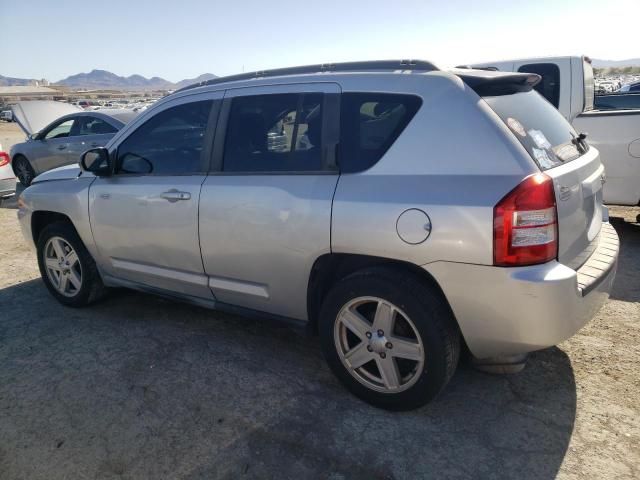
{"type": "Point", "coordinates": [16, 82]}
{"type": "Point", "coordinates": [631, 62]}
{"type": "Point", "coordinates": [102, 79]}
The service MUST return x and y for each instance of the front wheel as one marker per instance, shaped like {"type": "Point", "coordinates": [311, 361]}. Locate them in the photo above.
{"type": "Point", "coordinates": [67, 268]}
{"type": "Point", "coordinates": [389, 337]}
{"type": "Point", "coordinates": [23, 170]}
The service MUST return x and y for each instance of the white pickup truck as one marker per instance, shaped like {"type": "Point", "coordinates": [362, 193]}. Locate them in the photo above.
{"type": "Point", "coordinates": [567, 82]}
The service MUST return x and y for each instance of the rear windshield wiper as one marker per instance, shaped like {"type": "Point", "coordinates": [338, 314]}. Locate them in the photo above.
{"type": "Point", "coordinates": [580, 142]}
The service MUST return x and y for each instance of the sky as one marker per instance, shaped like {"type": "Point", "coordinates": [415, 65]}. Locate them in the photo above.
{"type": "Point", "coordinates": [184, 38]}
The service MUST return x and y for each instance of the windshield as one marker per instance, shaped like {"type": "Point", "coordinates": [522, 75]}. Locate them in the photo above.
{"type": "Point", "coordinates": [540, 128]}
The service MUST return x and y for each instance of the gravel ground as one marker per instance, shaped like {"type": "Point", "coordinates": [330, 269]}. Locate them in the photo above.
{"type": "Point", "coordinates": [140, 387]}
{"type": "Point", "coordinates": [10, 134]}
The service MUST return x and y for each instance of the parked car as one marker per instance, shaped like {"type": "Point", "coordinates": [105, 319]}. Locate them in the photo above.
{"type": "Point", "coordinates": [424, 210]}
{"type": "Point", "coordinates": [58, 133]}
{"type": "Point", "coordinates": [631, 87]}
{"type": "Point", "coordinates": [6, 115]}
{"type": "Point", "coordinates": [567, 82]}
{"type": "Point", "coordinates": [7, 179]}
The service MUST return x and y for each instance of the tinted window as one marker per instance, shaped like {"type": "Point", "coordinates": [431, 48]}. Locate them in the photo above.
{"type": "Point", "coordinates": [635, 87]}
{"type": "Point", "coordinates": [549, 86]}
{"type": "Point", "coordinates": [61, 130]}
{"type": "Point", "coordinates": [93, 126]}
{"type": "Point", "coordinates": [369, 124]}
{"type": "Point", "coordinates": [169, 143]}
{"type": "Point", "coordinates": [541, 129]}
{"type": "Point", "coordinates": [274, 133]}
{"type": "Point", "coordinates": [618, 102]}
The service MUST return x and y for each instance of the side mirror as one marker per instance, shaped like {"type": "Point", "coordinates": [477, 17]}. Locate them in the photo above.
{"type": "Point", "coordinates": [97, 161]}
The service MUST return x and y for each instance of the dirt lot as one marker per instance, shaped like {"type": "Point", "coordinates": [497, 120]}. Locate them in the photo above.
{"type": "Point", "coordinates": [139, 387]}
{"type": "Point", "coordinates": [10, 133]}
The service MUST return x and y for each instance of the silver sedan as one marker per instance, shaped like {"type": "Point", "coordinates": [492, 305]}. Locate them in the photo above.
{"type": "Point", "coordinates": [54, 140]}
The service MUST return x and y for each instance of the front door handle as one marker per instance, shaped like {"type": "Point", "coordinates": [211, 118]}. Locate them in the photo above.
{"type": "Point", "coordinates": [174, 195]}
{"type": "Point", "coordinates": [61, 147]}
{"type": "Point", "coordinates": [94, 144]}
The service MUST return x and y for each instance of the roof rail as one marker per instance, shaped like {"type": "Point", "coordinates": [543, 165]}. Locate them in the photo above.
{"type": "Point", "coordinates": [366, 66]}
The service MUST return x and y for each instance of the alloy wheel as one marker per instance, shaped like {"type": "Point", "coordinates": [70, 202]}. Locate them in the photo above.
{"type": "Point", "coordinates": [63, 266]}
{"type": "Point", "coordinates": [23, 172]}
{"type": "Point", "coordinates": [379, 345]}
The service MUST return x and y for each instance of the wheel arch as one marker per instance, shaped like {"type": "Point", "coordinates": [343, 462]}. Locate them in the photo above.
{"type": "Point", "coordinates": [41, 218]}
{"type": "Point", "coordinates": [332, 267]}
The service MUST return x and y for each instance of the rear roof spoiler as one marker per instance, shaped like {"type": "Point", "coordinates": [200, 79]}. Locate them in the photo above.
{"type": "Point", "coordinates": [489, 83]}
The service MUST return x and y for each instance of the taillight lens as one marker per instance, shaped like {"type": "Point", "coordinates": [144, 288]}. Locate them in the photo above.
{"type": "Point", "coordinates": [4, 159]}
{"type": "Point", "coordinates": [525, 224]}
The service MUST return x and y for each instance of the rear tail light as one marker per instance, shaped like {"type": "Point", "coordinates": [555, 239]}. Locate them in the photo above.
{"type": "Point", "coordinates": [525, 224]}
{"type": "Point", "coordinates": [4, 159]}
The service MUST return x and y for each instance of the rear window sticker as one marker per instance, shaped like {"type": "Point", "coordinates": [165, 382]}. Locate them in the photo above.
{"type": "Point", "coordinates": [516, 126]}
{"type": "Point", "coordinates": [542, 157]}
{"type": "Point", "coordinates": [539, 139]}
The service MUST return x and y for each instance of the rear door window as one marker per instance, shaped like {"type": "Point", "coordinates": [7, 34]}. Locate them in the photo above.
{"type": "Point", "coordinates": [549, 86]}
{"type": "Point", "coordinates": [539, 127]}
{"type": "Point", "coordinates": [274, 133]}
{"type": "Point", "coordinates": [369, 124]}
{"type": "Point", "coordinates": [93, 126]}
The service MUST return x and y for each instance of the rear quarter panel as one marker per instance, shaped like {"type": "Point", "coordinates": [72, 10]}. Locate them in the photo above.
{"type": "Point", "coordinates": [454, 161]}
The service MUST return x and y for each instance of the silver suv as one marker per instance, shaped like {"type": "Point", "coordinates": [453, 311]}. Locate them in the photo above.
{"type": "Point", "coordinates": [403, 212]}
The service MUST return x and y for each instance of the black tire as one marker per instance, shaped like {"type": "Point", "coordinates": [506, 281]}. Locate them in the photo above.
{"type": "Point", "coordinates": [92, 288]}
{"type": "Point", "coordinates": [428, 311]}
{"type": "Point", "coordinates": [23, 170]}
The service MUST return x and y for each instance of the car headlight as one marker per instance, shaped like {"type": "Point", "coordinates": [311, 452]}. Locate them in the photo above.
{"type": "Point", "coordinates": [21, 203]}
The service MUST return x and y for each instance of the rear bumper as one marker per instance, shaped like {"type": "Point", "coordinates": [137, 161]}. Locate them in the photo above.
{"type": "Point", "coordinates": [508, 311]}
{"type": "Point", "coordinates": [7, 187]}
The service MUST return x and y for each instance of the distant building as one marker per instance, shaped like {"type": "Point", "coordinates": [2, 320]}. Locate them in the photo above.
{"type": "Point", "coordinates": [19, 93]}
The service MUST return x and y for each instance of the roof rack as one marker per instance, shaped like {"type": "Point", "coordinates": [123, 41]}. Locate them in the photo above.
{"type": "Point", "coordinates": [366, 66]}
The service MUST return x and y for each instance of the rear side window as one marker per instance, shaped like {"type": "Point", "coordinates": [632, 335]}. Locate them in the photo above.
{"type": "Point", "coordinates": [169, 143]}
{"type": "Point", "coordinates": [274, 133]}
{"type": "Point", "coordinates": [93, 126]}
{"type": "Point", "coordinates": [369, 124]}
{"type": "Point", "coordinates": [541, 129]}
{"type": "Point", "coordinates": [549, 86]}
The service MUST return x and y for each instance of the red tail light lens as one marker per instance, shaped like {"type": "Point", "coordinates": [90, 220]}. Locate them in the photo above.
{"type": "Point", "coordinates": [4, 159]}
{"type": "Point", "coordinates": [525, 224]}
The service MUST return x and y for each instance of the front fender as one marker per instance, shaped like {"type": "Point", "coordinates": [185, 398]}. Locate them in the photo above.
{"type": "Point", "coordinates": [66, 197]}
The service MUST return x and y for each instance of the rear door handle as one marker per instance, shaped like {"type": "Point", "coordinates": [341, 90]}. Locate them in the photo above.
{"type": "Point", "coordinates": [61, 147]}
{"type": "Point", "coordinates": [94, 144]}
{"type": "Point", "coordinates": [174, 195]}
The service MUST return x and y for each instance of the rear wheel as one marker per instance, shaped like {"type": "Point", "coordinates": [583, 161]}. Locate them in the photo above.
{"type": "Point", "coordinates": [389, 337]}
{"type": "Point", "coordinates": [23, 170]}
{"type": "Point", "coordinates": [66, 267]}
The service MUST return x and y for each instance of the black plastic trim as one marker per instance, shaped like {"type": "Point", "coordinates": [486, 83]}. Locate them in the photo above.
{"type": "Point", "coordinates": [366, 66]}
